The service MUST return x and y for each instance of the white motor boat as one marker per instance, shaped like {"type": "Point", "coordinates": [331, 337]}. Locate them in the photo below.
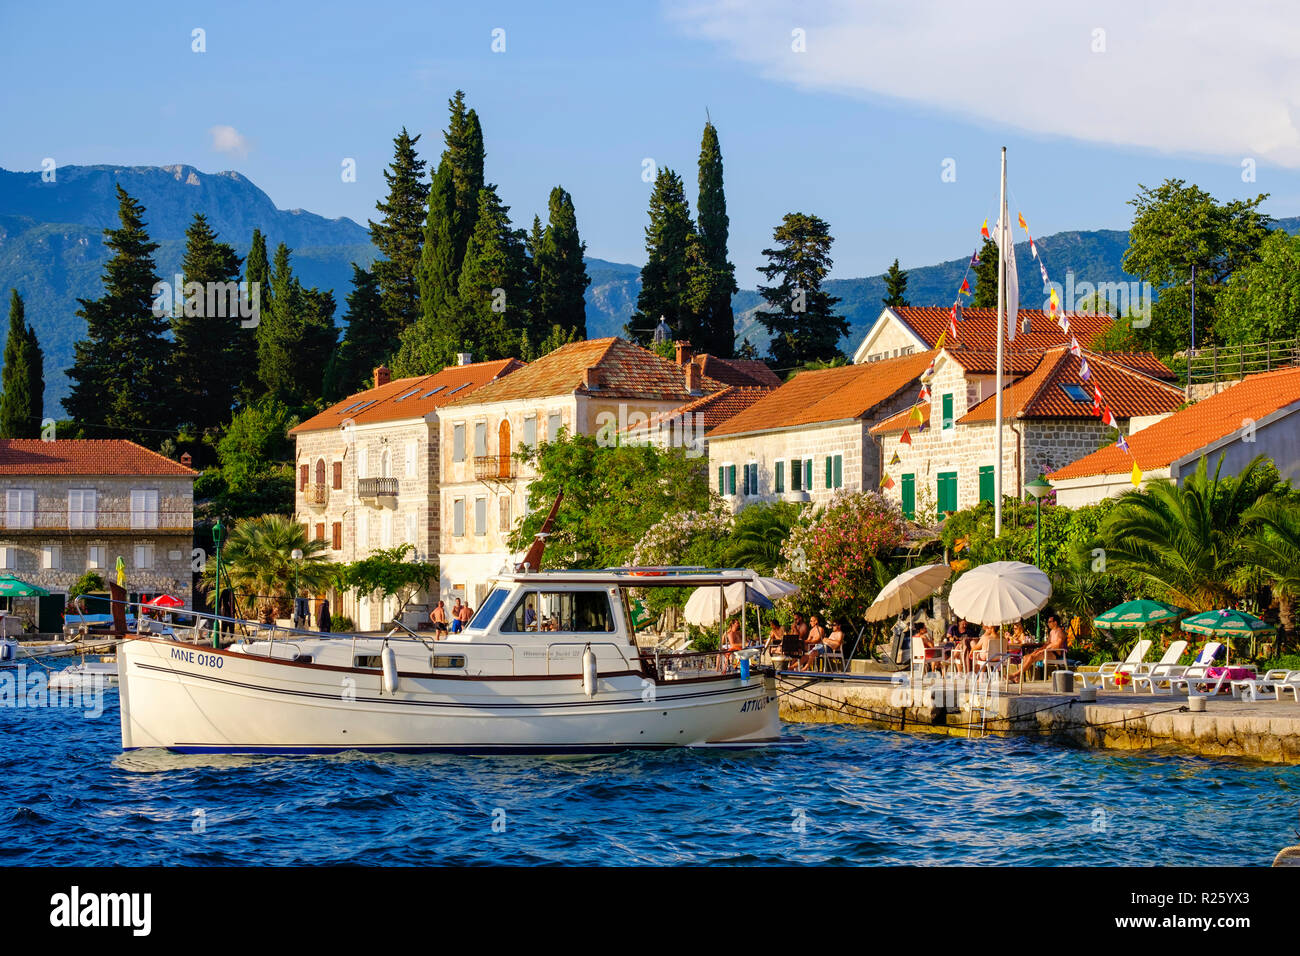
{"type": "Point", "coordinates": [549, 664]}
{"type": "Point", "coordinates": [86, 675]}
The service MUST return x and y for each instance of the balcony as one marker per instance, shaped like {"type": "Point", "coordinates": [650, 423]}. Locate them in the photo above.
{"type": "Point", "coordinates": [494, 468]}
{"type": "Point", "coordinates": [317, 494]}
{"type": "Point", "coordinates": [97, 523]}
{"type": "Point", "coordinates": [377, 488]}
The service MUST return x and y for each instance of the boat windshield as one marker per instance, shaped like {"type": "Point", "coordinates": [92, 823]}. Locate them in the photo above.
{"type": "Point", "coordinates": [488, 610]}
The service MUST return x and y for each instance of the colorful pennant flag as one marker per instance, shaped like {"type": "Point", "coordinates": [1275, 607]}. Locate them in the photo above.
{"type": "Point", "coordinates": [1085, 373]}
{"type": "Point", "coordinates": [895, 460]}
{"type": "Point", "coordinates": [905, 438]}
{"type": "Point", "coordinates": [1074, 347]}
{"type": "Point", "coordinates": [1136, 477]}
{"type": "Point", "coordinates": [887, 482]}
{"type": "Point", "coordinates": [916, 415]}
{"type": "Point", "coordinates": [965, 287]}
{"type": "Point", "coordinates": [1043, 269]}
{"type": "Point", "coordinates": [1109, 418]}
{"type": "Point", "coordinates": [1021, 217]}
{"type": "Point", "coordinates": [984, 229]}
{"type": "Point", "coordinates": [925, 393]}
{"type": "Point", "coordinates": [1033, 249]}
{"type": "Point", "coordinates": [943, 337]}
{"type": "Point", "coordinates": [975, 257]}
{"type": "Point", "coordinates": [1121, 444]}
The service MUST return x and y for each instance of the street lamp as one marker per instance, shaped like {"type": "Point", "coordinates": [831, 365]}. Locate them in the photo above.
{"type": "Point", "coordinates": [1038, 487]}
{"type": "Point", "coordinates": [218, 533]}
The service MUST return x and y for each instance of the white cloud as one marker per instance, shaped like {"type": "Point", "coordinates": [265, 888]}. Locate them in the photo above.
{"type": "Point", "coordinates": [227, 139]}
{"type": "Point", "coordinates": [1182, 76]}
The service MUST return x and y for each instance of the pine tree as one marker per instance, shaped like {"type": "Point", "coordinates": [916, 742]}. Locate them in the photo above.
{"type": "Point", "coordinates": [664, 280]}
{"type": "Point", "coordinates": [713, 276]}
{"type": "Point", "coordinates": [493, 291]}
{"type": "Point", "coordinates": [365, 342]}
{"type": "Point", "coordinates": [296, 337]}
{"type": "Point", "coordinates": [801, 319]}
{"type": "Point", "coordinates": [986, 277]}
{"type": "Point", "coordinates": [22, 402]}
{"type": "Point", "coordinates": [122, 376]}
{"type": "Point", "coordinates": [895, 287]}
{"type": "Point", "coordinates": [257, 275]}
{"type": "Point", "coordinates": [561, 272]}
{"type": "Point", "coordinates": [464, 154]}
{"type": "Point", "coordinates": [207, 347]}
{"type": "Point", "coordinates": [399, 235]}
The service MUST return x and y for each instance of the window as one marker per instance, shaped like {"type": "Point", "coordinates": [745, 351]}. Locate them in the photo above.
{"type": "Point", "coordinates": [909, 496]}
{"type": "Point", "coordinates": [8, 557]}
{"type": "Point", "coordinates": [947, 491]}
{"type": "Point", "coordinates": [949, 423]}
{"type": "Point", "coordinates": [488, 609]}
{"type": "Point", "coordinates": [1077, 394]}
{"type": "Point", "coordinates": [778, 478]}
{"type": "Point", "coordinates": [457, 388]}
{"type": "Point", "coordinates": [751, 478]}
{"type": "Point", "coordinates": [731, 479]}
{"type": "Point", "coordinates": [480, 439]}
{"type": "Point", "coordinates": [986, 482]}
{"type": "Point", "coordinates": [530, 431]}
{"type": "Point", "coordinates": [96, 557]}
{"type": "Point", "coordinates": [407, 394]}
{"type": "Point", "coordinates": [338, 474]}
{"type": "Point", "coordinates": [81, 508]}
{"type": "Point", "coordinates": [722, 480]}
{"type": "Point", "coordinates": [553, 425]}
{"type": "Point", "coordinates": [320, 471]}
{"type": "Point", "coordinates": [320, 531]}
{"type": "Point", "coordinates": [503, 512]}
{"type": "Point", "coordinates": [433, 391]}
{"type": "Point", "coordinates": [144, 508]}
{"type": "Point", "coordinates": [458, 443]}
{"type": "Point", "coordinates": [412, 451]}
{"type": "Point", "coordinates": [480, 516]}
{"type": "Point", "coordinates": [304, 473]}
{"type": "Point", "coordinates": [839, 471]}
{"type": "Point", "coordinates": [20, 508]}
{"type": "Point", "coordinates": [144, 557]}
{"type": "Point", "coordinates": [458, 517]}
{"type": "Point", "coordinates": [807, 474]}
{"type": "Point", "coordinates": [834, 471]}
{"type": "Point", "coordinates": [386, 464]}
{"type": "Point", "coordinates": [796, 474]}
{"type": "Point", "coordinates": [51, 557]}
{"type": "Point", "coordinates": [363, 463]}
{"type": "Point", "coordinates": [336, 536]}
{"type": "Point", "coordinates": [565, 611]}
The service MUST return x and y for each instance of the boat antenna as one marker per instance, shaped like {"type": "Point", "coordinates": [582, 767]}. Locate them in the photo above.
{"type": "Point", "coordinates": [533, 559]}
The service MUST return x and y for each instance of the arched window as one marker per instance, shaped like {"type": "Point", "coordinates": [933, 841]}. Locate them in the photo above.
{"type": "Point", "coordinates": [503, 449]}
{"type": "Point", "coordinates": [320, 471]}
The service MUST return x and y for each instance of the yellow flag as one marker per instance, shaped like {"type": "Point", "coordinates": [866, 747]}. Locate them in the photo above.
{"type": "Point", "coordinates": [121, 572]}
{"type": "Point", "coordinates": [916, 415]}
{"type": "Point", "coordinates": [943, 337]}
{"type": "Point", "coordinates": [1136, 477]}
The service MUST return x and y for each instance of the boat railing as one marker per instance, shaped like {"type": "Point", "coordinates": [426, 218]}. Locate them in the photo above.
{"type": "Point", "coordinates": [690, 664]}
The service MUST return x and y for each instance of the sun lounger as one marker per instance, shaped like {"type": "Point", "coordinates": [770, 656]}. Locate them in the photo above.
{"type": "Point", "coordinates": [1110, 669]}
{"type": "Point", "coordinates": [1195, 677]}
{"type": "Point", "coordinates": [1276, 682]}
{"type": "Point", "coordinates": [1151, 674]}
{"type": "Point", "coordinates": [1162, 672]}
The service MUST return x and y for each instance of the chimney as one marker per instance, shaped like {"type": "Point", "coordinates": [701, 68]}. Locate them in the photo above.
{"type": "Point", "coordinates": [591, 377]}
{"type": "Point", "coordinates": [381, 376]}
{"type": "Point", "coordinates": [693, 378]}
{"type": "Point", "coordinates": [464, 358]}
{"type": "Point", "coordinates": [684, 353]}
{"type": "Point", "coordinates": [1026, 324]}
{"type": "Point", "coordinates": [186, 459]}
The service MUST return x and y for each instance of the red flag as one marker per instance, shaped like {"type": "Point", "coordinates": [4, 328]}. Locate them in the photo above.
{"type": "Point", "coordinates": [1021, 217]}
{"type": "Point", "coordinates": [925, 393]}
{"type": "Point", "coordinates": [1109, 418]}
{"type": "Point", "coordinates": [984, 229]}
{"type": "Point", "coordinates": [965, 286]}
{"type": "Point", "coordinates": [905, 438]}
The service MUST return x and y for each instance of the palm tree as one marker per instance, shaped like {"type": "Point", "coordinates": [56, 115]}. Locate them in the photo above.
{"type": "Point", "coordinates": [1273, 546]}
{"type": "Point", "coordinates": [258, 556]}
{"type": "Point", "coordinates": [1184, 542]}
{"type": "Point", "coordinates": [760, 532]}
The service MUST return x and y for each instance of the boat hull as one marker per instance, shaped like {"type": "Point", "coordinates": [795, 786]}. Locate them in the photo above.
{"type": "Point", "coordinates": [194, 700]}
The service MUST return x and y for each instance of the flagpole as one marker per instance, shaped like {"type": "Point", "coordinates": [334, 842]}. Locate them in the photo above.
{"type": "Point", "coordinates": [997, 402]}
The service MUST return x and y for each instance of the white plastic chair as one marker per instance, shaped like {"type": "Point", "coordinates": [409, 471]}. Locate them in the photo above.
{"type": "Point", "coordinates": [1108, 670]}
{"type": "Point", "coordinates": [923, 656]}
{"type": "Point", "coordinates": [1276, 681]}
{"type": "Point", "coordinates": [1153, 674]}
{"type": "Point", "coordinates": [1203, 660]}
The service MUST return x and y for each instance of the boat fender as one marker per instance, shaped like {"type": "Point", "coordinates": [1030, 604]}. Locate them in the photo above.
{"type": "Point", "coordinates": [589, 672]}
{"type": "Point", "coordinates": [388, 662]}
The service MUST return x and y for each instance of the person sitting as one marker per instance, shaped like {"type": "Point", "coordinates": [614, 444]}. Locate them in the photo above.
{"type": "Point", "coordinates": [774, 635]}
{"type": "Point", "coordinates": [981, 651]}
{"type": "Point", "coordinates": [933, 655]}
{"type": "Point", "coordinates": [963, 640]}
{"type": "Point", "coordinates": [832, 642]}
{"type": "Point", "coordinates": [1054, 650]}
{"type": "Point", "coordinates": [731, 642]}
{"type": "Point", "coordinates": [813, 646]}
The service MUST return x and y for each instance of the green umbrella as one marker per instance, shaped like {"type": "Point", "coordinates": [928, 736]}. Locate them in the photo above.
{"type": "Point", "coordinates": [1227, 623]}
{"type": "Point", "coordinates": [1135, 615]}
{"type": "Point", "coordinates": [10, 586]}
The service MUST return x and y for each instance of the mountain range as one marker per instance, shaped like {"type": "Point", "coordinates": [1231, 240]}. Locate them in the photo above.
{"type": "Point", "coordinates": [52, 251]}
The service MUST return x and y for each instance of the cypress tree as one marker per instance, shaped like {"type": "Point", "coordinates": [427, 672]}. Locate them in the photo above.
{"type": "Point", "coordinates": [895, 287]}
{"type": "Point", "coordinates": [365, 342]}
{"type": "Point", "coordinates": [207, 347]}
{"type": "Point", "coordinates": [714, 277]}
{"type": "Point", "coordinates": [295, 337]}
{"type": "Point", "coordinates": [561, 270]}
{"type": "Point", "coordinates": [986, 277]}
{"type": "Point", "coordinates": [493, 290]}
{"type": "Point", "coordinates": [664, 280]}
{"type": "Point", "coordinates": [801, 319]}
{"type": "Point", "coordinates": [121, 375]}
{"type": "Point", "coordinates": [257, 274]}
{"type": "Point", "coordinates": [439, 260]}
{"type": "Point", "coordinates": [23, 399]}
{"type": "Point", "coordinates": [465, 156]}
{"type": "Point", "coordinates": [399, 235]}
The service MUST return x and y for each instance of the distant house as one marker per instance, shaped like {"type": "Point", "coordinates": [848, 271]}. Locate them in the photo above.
{"type": "Point", "coordinates": [938, 455]}
{"type": "Point", "coordinates": [599, 387]}
{"type": "Point", "coordinates": [367, 471]}
{"type": "Point", "coordinates": [810, 438]}
{"type": "Point", "coordinates": [906, 330]}
{"type": "Point", "coordinates": [1256, 416]}
{"type": "Point", "coordinates": [73, 506]}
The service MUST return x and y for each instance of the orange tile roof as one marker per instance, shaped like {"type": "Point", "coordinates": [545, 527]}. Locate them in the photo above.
{"type": "Point", "coordinates": [830, 395]}
{"type": "Point", "coordinates": [85, 456]}
{"type": "Point", "coordinates": [1040, 394]}
{"type": "Point", "coordinates": [625, 371]}
{"type": "Point", "coordinates": [896, 423]}
{"type": "Point", "coordinates": [978, 330]}
{"type": "Point", "coordinates": [1191, 429]}
{"type": "Point", "coordinates": [712, 410]}
{"type": "Point", "coordinates": [409, 398]}
{"type": "Point", "coordinates": [737, 371]}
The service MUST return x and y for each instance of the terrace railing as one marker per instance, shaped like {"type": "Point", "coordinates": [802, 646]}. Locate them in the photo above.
{"type": "Point", "coordinates": [377, 488]}
{"type": "Point", "coordinates": [1218, 363]}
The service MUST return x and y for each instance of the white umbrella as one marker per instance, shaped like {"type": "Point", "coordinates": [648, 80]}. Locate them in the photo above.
{"type": "Point", "coordinates": [705, 607]}
{"type": "Point", "coordinates": [1000, 592]}
{"type": "Point", "coordinates": [774, 588]}
{"type": "Point", "coordinates": [908, 589]}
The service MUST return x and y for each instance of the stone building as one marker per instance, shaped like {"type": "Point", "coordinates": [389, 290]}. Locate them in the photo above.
{"type": "Point", "coordinates": [1255, 416]}
{"type": "Point", "coordinates": [367, 471]}
{"type": "Point", "coordinates": [73, 506]}
{"type": "Point", "coordinates": [935, 464]}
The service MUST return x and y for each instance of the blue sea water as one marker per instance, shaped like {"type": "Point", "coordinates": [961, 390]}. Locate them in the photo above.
{"type": "Point", "coordinates": [851, 795]}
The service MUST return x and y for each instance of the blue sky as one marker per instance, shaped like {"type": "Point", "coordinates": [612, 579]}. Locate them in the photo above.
{"type": "Point", "coordinates": [855, 127]}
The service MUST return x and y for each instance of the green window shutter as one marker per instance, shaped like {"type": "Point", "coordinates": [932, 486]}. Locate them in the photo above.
{"type": "Point", "coordinates": [796, 475]}
{"type": "Point", "coordinates": [807, 474]}
{"type": "Point", "coordinates": [779, 477]}
{"type": "Point", "coordinates": [986, 482]}
{"type": "Point", "coordinates": [830, 478]}
{"type": "Point", "coordinates": [909, 496]}
{"type": "Point", "coordinates": [947, 491]}
{"type": "Point", "coordinates": [839, 471]}
{"type": "Point", "coordinates": [722, 488]}
{"type": "Point", "coordinates": [947, 411]}
{"type": "Point", "coordinates": [731, 479]}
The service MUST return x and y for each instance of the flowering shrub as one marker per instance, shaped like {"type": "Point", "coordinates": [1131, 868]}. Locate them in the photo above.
{"type": "Point", "coordinates": [696, 538]}
{"type": "Point", "coordinates": [832, 555]}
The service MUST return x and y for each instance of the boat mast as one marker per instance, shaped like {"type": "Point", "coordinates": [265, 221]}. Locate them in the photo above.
{"type": "Point", "coordinates": [532, 561]}
{"type": "Point", "coordinates": [1003, 231]}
